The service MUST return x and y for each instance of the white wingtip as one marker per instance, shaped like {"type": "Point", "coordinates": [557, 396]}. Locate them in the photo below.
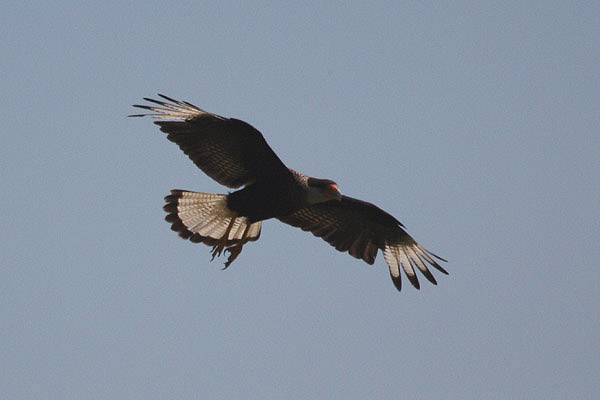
{"type": "Point", "coordinates": [175, 110]}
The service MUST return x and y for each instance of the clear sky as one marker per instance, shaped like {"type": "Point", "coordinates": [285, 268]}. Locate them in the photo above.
{"type": "Point", "coordinates": [474, 123]}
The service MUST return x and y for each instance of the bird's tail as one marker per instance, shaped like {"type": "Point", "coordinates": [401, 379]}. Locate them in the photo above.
{"type": "Point", "coordinates": [205, 218]}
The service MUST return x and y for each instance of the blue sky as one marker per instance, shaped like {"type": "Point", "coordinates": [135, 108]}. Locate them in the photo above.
{"type": "Point", "coordinates": [475, 124]}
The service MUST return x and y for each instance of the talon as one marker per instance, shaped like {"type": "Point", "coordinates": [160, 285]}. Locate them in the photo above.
{"type": "Point", "coordinates": [218, 248]}
{"type": "Point", "coordinates": [235, 250]}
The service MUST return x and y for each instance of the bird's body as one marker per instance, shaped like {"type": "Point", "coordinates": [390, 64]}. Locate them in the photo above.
{"type": "Point", "coordinates": [276, 197]}
{"type": "Point", "coordinates": [235, 154]}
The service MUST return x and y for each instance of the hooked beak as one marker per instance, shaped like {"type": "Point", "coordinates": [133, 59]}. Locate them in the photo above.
{"type": "Point", "coordinates": [333, 192]}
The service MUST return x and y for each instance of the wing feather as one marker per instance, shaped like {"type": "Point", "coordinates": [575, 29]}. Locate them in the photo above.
{"type": "Point", "coordinates": [230, 151]}
{"type": "Point", "coordinates": [361, 229]}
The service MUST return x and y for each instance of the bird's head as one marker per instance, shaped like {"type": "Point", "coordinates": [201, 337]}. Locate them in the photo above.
{"type": "Point", "coordinates": [322, 190]}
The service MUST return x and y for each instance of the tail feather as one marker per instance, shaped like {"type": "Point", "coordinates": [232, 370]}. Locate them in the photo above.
{"type": "Point", "coordinates": [205, 218]}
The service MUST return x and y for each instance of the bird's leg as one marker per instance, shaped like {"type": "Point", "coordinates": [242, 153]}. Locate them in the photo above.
{"type": "Point", "coordinates": [222, 242]}
{"type": "Point", "coordinates": [234, 251]}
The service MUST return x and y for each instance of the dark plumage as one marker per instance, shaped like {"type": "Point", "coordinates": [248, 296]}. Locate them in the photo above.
{"type": "Point", "coordinates": [236, 155]}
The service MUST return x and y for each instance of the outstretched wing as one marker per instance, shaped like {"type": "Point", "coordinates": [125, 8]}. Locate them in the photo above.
{"type": "Point", "coordinates": [361, 228]}
{"type": "Point", "coordinates": [228, 150]}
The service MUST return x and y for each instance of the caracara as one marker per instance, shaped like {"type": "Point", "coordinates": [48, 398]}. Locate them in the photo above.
{"type": "Point", "coordinates": [236, 155]}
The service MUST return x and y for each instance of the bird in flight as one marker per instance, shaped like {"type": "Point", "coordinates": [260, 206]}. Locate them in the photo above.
{"type": "Point", "coordinates": [235, 154]}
